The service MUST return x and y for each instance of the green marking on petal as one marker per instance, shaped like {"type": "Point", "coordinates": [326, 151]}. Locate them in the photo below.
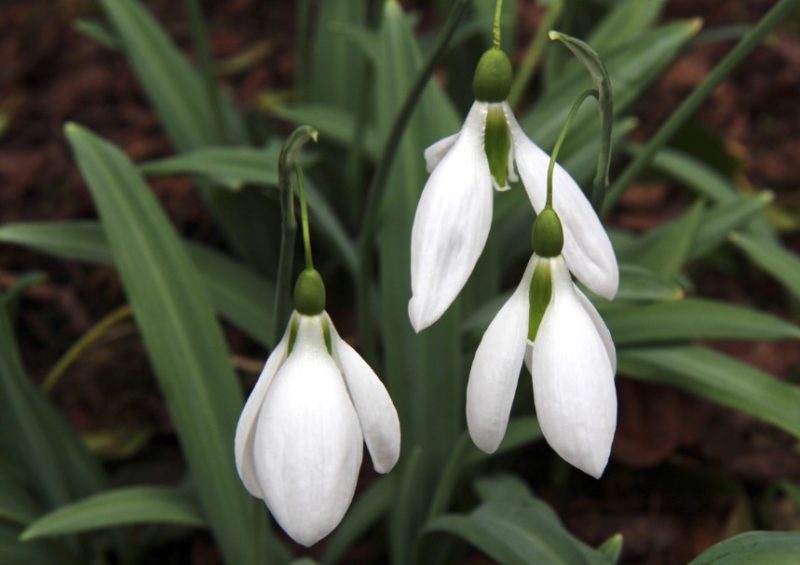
{"type": "Point", "coordinates": [540, 294]}
{"type": "Point", "coordinates": [497, 143]}
{"type": "Point", "coordinates": [326, 335]}
{"type": "Point", "coordinates": [294, 326]}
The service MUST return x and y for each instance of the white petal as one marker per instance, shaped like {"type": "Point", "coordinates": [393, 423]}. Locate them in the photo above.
{"type": "Point", "coordinates": [376, 412]}
{"type": "Point", "coordinates": [495, 369]}
{"type": "Point", "coordinates": [437, 150]}
{"type": "Point", "coordinates": [573, 380]}
{"type": "Point", "coordinates": [308, 443]}
{"type": "Point", "coordinates": [243, 443]}
{"type": "Point", "coordinates": [451, 224]}
{"type": "Point", "coordinates": [600, 326]}
{"type": "Point", "coordinates": [587, 248]}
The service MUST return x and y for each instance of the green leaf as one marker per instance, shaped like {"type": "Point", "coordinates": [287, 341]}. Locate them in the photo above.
{"type": "Point", "coordinates": [721, 220]}
{"type": "Point", "coordinates": [521, 531]}
{"type": "Point", "coordinates": [632, 68]}
{"type": "Point", "coordinates": [231, 166]}
{"type": "Point", "coordinates": [640, 284]}
{"type": "Point", "coordinates": [337, 64]}
{"type": "Point", "coordinates": [235, 167]}
{"type": "Point", "coordinates": [172, 85]}
{"type": "Point", "coordinates": [120, 507]}
{"type": "Point", "coordinates": [626, 20]}
{"type": "Point", "coordinates": [665, 249]}
{"type": "Point", "coordinates": [753, 548]}
{"type": "Point", "coordinates": [334, 124]}
{"type": "Point", "coordinates": [97, 31]}
{"type": "Point", "coordinates": [718, 378]}
{"type": "Point", "coordinates": [238, 293]}
{"type": "Point", "coordinates": [183, 340]}
{"type": "Point", "coordinates": [773, 258]}
{"type": "Point", "coordinates": [15, 552]}
{"type": "Point", "coordinates": [16, 505]}
{"type": "Point", "coordinates": [402, 523]}
{"type": "Point", "coordinates": [694, 318]}
{"type": "Point", "coordinates": [367, 509]}
{"type": "Point", "coordinates": [693, 173]}
{"type": "Point", "coordinates": [40, 430]}
{"type": "Point", "coordinates": [612, 548]}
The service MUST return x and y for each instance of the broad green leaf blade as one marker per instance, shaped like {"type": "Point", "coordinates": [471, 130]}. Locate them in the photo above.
{"type": "Point", "coordinates": [238, 293]}
{"type": "Point", "coordinates": [183, 340]}
{"type": "Point", "coordinates": [121, 507]}
{"type": "Point", "coordinates": [721, 220]}
{"type": "Point", "coordinates": [173, 87]}
{"type": "Point", "coordinates": [15, 552]}
{"type": "Point", "coordinates": [366, 509]}
{"type": "Point", "coordinates": [402, 524]}
{"type": "Point", "coordinates": [753, 548]}
{"type": "Point", "coordinates": [693, 318]}
{"type": "Point", "coordinates": [718, 378]}
{"type": "Point", "coordinates": [231, 166]}
{"type": "Point", "coordinates": [773, 258]}
{"type": "Point", "coordinates": [16, 505]}
{"type": "Point", "coordinates": [640, 284]}
{"type": "Point", "coordinates": [665, 249]}
{"type": "Point", "coordinates": [519, 532]}
{"type": "Point", "coordinates": [338, 65]}
{"type": "Point", "coordinates": [334, 124]}
{"type": "Point", "coordinates": [52, 456]}
{"type": "Point", "coordinates": [626, 20]}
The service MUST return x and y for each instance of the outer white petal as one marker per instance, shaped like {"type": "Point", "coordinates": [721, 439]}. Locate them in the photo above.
{"type": "Point", "coordinates": [600, 326]}
{"type": "Point", "coordinates": [376, 412]}
{"type": "Point", "coordinates": [243, 443]}
{"type": "Point", "coordinates": [308, 442]}
{"type": "Point", "coordinates": [451, 224]}
{"type": "Point", "coordinates": [495, 368]}
{"type": "Point", "coordinates": [587, 248]}
{"type": "Point", "coordinates": [573, 380]}
{"type": "Point", "coordinates": [437, 150]}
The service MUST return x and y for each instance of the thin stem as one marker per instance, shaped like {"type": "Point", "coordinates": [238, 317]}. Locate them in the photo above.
{"type": "Point", "coordinates": [498, 10]}
{"type": "Point", "coordinates": [378, 185]}
{"type": "Point", "coordinates": [87, 339]}
{"type": "Point", "coordinates": [562, 136]}
{"type": "Point", "coordinates": [748, 43]}
{"type": "Point", "coordinates": [200, 39]}
{"type": "Point", "coordinates": [298, 175]}
{"type": "Point", "coordinates": [534, 54]}
{"type": "Point", "coordinates": [283, 285]}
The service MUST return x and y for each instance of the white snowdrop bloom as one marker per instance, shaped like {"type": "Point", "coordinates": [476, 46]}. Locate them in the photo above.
{"type": "Point", "coordinates": [454, 213]}
{"type": "Point", "coordinates": [299, 439]}
{"type": "Point", "coordinates": [569, 353]}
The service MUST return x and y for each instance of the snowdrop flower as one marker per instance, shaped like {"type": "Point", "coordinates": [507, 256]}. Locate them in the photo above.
{"type": "Point", "coordinates": [569, 353]}
{"type": "Point", "coordinates": [300, 437]}
{"type": "Point", "coordinates": [454, 213]}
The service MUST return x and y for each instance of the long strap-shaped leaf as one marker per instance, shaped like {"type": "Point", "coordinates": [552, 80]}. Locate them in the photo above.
{"type": "Point", "coordinates": [182, 337]}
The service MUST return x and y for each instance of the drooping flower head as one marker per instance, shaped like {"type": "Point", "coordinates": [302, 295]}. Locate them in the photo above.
{"type": "Point", "coordinates": [454, 214]}
{"type": "Point", "coordinates": [568, 351]}
{"type": "Point", "coordinates": [300, 437]}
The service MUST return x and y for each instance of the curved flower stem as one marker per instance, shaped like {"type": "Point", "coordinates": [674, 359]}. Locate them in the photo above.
{"type": "Point", "coordinates": [748, 43]}
{"type": "Point", "coordinates": [561, 137]}
{"type": "Point", "coordinates": [286, 165]}
{"type": "Point", "coordinates": [378, 184]}
{"type": "Point", "coordinates": [498, 10]}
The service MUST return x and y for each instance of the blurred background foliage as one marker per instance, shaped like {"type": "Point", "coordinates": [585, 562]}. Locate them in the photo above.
{"type": "Point", "coordinates": [121, 380]}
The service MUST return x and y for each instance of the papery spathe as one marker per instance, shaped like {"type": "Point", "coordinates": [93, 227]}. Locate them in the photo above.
{"type": "Point", "coordinates": [299, 439]}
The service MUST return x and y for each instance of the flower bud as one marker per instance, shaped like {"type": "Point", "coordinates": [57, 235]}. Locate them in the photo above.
{"type": "Point", "coordinates": [497, 144]}
{"type": "Point", "coordinates": [309, 293]}
{"type": "Point", "coordinates": [492, 80]}
{"type": "Point", "coordinates": [547, 236]}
